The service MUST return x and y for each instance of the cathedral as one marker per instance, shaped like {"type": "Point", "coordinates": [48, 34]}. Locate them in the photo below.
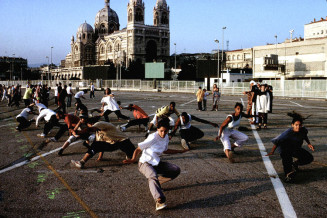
{"type": "Point", "coordinates": [106, 42]}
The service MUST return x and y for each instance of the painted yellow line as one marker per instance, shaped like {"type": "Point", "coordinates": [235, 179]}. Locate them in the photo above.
{"type": "Point", "coordinates": [84, 205]}
{"type": "Point", "coordinates": [320, 164]}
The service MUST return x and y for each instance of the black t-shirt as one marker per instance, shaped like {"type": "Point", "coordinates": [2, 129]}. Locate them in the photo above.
{"type": "Point", "coordinates": [255, 90]}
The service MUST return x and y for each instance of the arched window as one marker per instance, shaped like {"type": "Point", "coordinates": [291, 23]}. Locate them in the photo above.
{"type": "Point", "coordinates": [238, 57]}
{"type": "Point", "coordinates": [83, 35]}
{"type": "Point", "coordinates": [139, 15]}
{"type": "Point", "coordinates": [234, 58]}
{"type": "Point", "coordinates": [156, 18]}
{"type": "Point", "coordinates": [164, 19]}
{"type": "Point", "coordinates": [102, 50]}
{"type": "Point", "coordinates": [228, 58]}
{"type": "Point", "coordinates": [130, 15]}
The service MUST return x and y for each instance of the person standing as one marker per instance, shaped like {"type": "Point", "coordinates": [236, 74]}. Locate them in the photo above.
{"type": "Point", "coordinates": [150, 165]}
{"type": "Point", "coordinates": [61, 99]}
{"type": "Point", "coordinates": [215, 97]}
{"type": "Point", "coordinates": [56, 95]}
{"type": "Point", "coordinates": [289, 144]}
{"type": "Point", "coordinates": [205, 95]}
{"type": "Point", "coordinates": [69, 95]}
{"type": "Point", "coordinates": [199, 98]}
{"type": "Point", "coordinates": [263, 105]}
{"type": "Point", "coordinates": [92, 91]}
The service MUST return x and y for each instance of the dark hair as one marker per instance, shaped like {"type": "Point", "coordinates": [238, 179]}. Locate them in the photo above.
{"type": "Point", "coordinates": [173, 103]}
{"type": "Point", "coordinates": [119, 103]}
{"type": "Point", "coordinates": [109, 91]}
{"type": "Point", "coordinates": [85, 91]}
{"type": "Point", "coordinates": [130, 107]}
{"type": "Point", "coordinates": [163, 123]}
{"type": "Point", "coordinates": [60, 113]}
{"type": "Point", "coordinates": [240, 105]}
{"type": "Point", "coordinates": [296, 117]}
{"type": "Point", "coordinates": [187, 119]}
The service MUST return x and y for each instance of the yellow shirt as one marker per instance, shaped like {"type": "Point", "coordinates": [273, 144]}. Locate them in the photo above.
{"type": "Point", "coordinates": [199, 95]}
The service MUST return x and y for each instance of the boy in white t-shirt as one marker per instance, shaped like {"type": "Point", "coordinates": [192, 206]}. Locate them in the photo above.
{"type": "Point", "coordinates": [23, 120]}
{"type": "Point", "coordinates": [156, 171]}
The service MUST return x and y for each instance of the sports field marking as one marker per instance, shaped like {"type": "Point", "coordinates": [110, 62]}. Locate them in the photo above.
{"type": "Point", "coordinates": [34, 158]}
{"type": "Point", "coordinates": [188, 102]}
{"type": "Point", "coordinates": [10, 124]}
{"type": "Point", "coordinates": [296, 104]}
{"type": "Point", "coordinates": [284, 201]}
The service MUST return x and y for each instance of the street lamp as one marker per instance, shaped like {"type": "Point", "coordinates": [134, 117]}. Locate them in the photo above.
{"type": "Point", "coordinates": [48, 68]}
{"type": "Point", "coordinates": [276, 43]}
{"type": "Point", "coordinates": [217, 41]}
{"type": "Point", "coordinates": [51, 58]}
{"type": "Point", "coordinates": [13, 67]}
{"type": "Point", "coordinates": [222, 45]}
{"type": "Point", "coordinates": [175, 58]}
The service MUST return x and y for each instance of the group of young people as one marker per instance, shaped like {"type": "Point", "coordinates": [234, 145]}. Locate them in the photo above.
{"type": "Point", "coordinates": [201, 97]}
{"type": "Point", "coordinates": [103, 136]}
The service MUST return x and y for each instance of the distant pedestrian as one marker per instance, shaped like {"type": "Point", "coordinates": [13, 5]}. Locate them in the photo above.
{"type": "Point", "coordinates": [263, 106]}
{"type": "Point", "coordinates": [204, 101]}
{"type": "Point", "coordinates": [69, 95]}
{"type": "Point", "coordinates": [92, 91]}
{"type": "Point", "coordinates": [215, 97]}
{"type": "Point", "coordinates": [62, 100]}
{"type": "Point", "coordinates": [199, 98]}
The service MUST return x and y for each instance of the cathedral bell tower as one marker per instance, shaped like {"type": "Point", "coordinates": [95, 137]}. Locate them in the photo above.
{"type": "Point", "coordinates": [161, 14]}
{"type": "Point", "coordinates": [135, 12]}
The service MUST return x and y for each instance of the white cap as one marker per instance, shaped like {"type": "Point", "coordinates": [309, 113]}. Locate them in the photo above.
{"type": "Point", "coordinates": [252, 82]}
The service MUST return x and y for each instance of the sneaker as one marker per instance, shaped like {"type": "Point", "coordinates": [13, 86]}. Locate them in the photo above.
{"type": "Point", "coordinates": [42, 135]}
{"type": "Point", "coordinates": [290, 177]}
{"type": "Point", "coordinates": [60, 152]}
{"type": "Point", "coordinates": [77, 164]}
{"type": "Point", "coordinates": [122, 128]}
{"type": "Point", "coordinates": [53, 139]}
{"type": "Point", "coordinates": [160, 205]}
{"type": "Point", "coordinates": [185, 145]}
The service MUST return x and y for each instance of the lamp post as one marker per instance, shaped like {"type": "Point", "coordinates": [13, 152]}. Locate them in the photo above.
{"type": "Point", "coordinates": [48, 68]}
{"type": "Point", "coordinates": [51, 58]}
{"type": "Point", "coordinates": [276, 43]}
{"type": "Point", "coordinates": [13, 67]}
{"type": "Point", "coordinates": [217, 41]}
{"type": "Point", "coordinates": [222, 46]}
{"type": "Point", "coordinates": [175, 58]}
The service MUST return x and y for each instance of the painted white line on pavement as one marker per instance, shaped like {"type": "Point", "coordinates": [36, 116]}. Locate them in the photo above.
{"type": "Point", "coordinates": [296, 104]}
{"type": "Point", "coordinates": [188, 102]}
{"type": "Point", "coordinates": [242, 102]}
{"type": "Point", "coordinates": [34, 158]}
{"type": "Point", "coordinates": [284, 201]}
{"type": "Point", "coordinates": [11, 124]}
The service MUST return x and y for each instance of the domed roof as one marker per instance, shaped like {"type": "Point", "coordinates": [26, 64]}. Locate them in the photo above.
{"type": "Point", "coordinates": [161, 3]}
{"type": "Point", "coordinates": [85, 28]}
{"type": "Point", "coordinates": [106, 14]}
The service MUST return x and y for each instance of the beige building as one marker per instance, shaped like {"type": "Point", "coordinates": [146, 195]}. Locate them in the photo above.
{"type": "Point", "coordinates": [239, 59]}
{"type": "Point", "coordinates": [296, 58]}
{"type": "Point", "coordinates": [106, 42]}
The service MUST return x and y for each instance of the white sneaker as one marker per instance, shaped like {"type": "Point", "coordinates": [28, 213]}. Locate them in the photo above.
{"type": "Point", "coordinates": [160, 206]}
{"type": "Point", "coordinates": [42, 135]}
{"type": "Point", "coordinates": [77, 164]}
{"type": "Point", "coordinates": [122, 128]}
{"type": "Point", "coordinates": [185, 145]}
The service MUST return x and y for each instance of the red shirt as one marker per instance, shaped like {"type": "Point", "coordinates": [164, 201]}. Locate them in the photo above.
{"type": "Point", "coordinates": [71, 120]}
{"type": "Point", "coordinates": [139, 113]}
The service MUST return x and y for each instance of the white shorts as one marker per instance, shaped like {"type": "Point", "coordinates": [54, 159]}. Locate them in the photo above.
{"type": "Point", "coordinates": [72, 139]}
{"type": "Point", "coordinates": [238, 137]}
{"type": "Point", "coordinates": [171, 121]}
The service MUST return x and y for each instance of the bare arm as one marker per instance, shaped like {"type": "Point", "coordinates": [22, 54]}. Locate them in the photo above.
{"type": "Point", "coordinates": [272, 151]}
{"type": "Point", "coordinates": [178, 122]}
{"type": "Point", "coordinates": [204, 121]}
{"type": "Point", "coordinates": [135, 155]}
{"type": "Point", "coordinates": [222, 127]}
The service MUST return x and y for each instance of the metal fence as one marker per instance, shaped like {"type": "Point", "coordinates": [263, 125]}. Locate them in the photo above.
{"type": "Point", "coordinates": [282, 88]}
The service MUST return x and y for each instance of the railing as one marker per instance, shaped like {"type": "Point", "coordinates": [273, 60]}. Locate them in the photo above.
{"type": "Point", "coordinates": [287, 88]}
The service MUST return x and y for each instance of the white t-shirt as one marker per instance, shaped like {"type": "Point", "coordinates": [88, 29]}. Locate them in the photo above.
{"type": "Point", "coordinates": [92, 88]}
{"type": "Point", "coordinates": [24, 113]}
{"type": "Point", "coordinates": [152, 148]}
{"type": "Point", "coordinates": [111, 104]}
{"type": "Point", "coordinates": [46, 114]}
{"type": "Point", "coordinates": [79, 94]}
{"type": "Point", "coordinates": [56, 91]}
{"type": "Point", "coordinates": [69, 90]}
{"type": "Point", "coordinates": [186, 125]}
{"type": "Point", "coordinates": [40, 106]}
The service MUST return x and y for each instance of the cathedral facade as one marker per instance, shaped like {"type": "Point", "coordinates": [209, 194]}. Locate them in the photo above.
{"type": "Point", "coordinates": [106, 42]}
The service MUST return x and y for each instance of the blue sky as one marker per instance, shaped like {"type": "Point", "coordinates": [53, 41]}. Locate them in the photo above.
{"type": "Point", "coordinates": [30, 27]}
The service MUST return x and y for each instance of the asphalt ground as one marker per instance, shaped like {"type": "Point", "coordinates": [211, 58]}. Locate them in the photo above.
{"type": "Point", "coordinates": [208, 186]}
